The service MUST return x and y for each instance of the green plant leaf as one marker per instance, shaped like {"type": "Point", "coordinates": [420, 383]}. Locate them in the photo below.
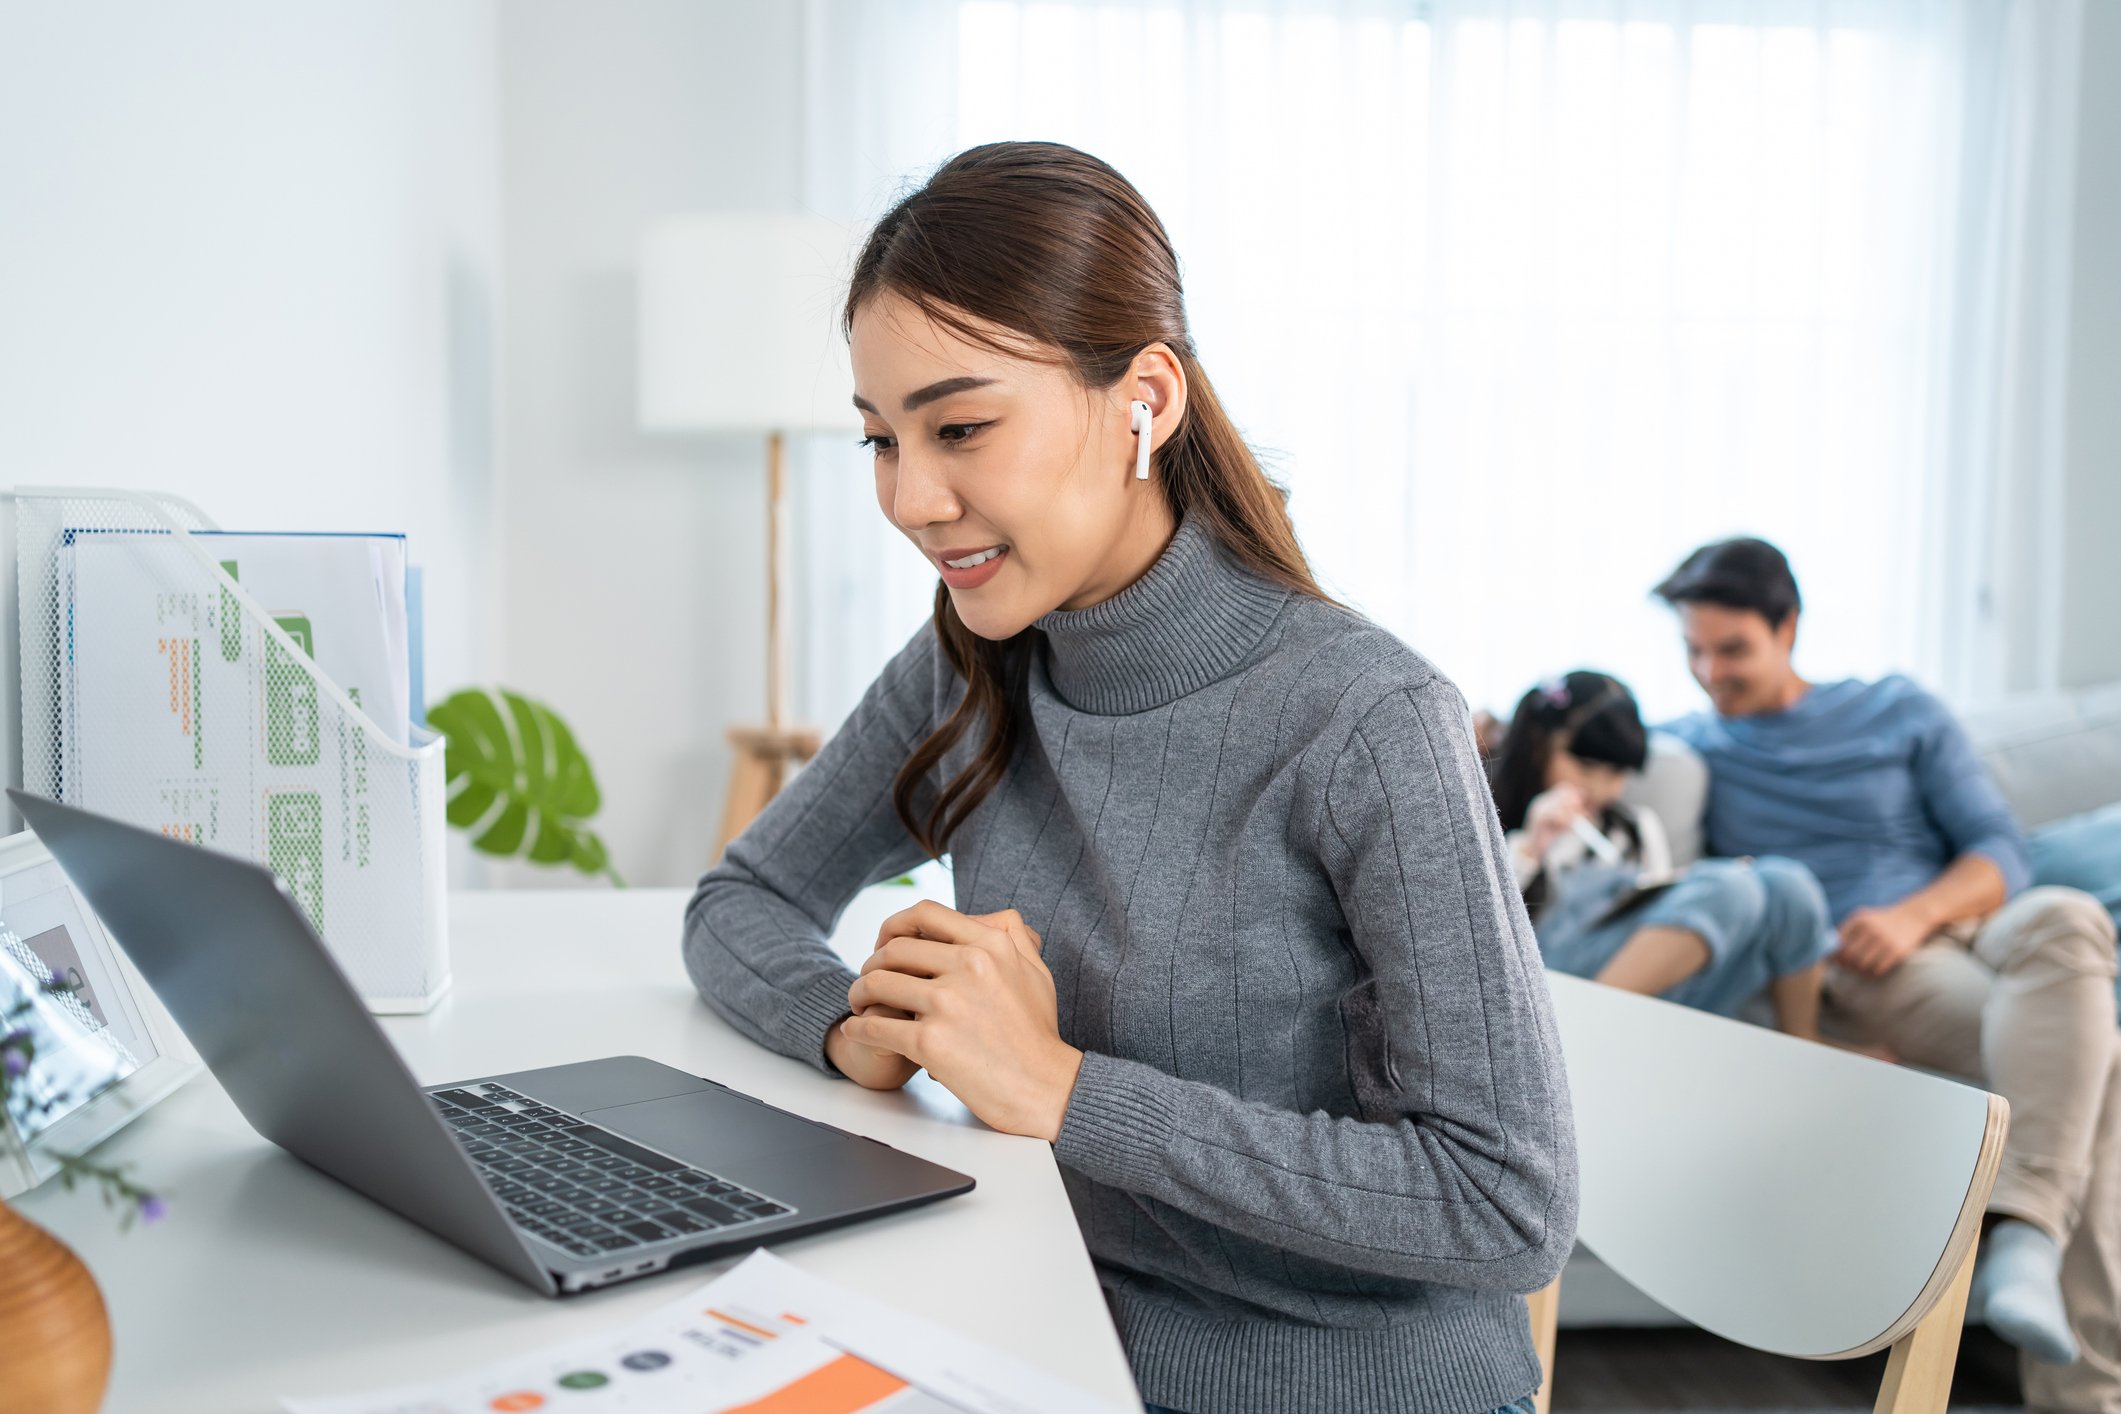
{"type": "Point", "coordinates": [518, 781]}
{"type": "Point", "coordinates": [591, 857]}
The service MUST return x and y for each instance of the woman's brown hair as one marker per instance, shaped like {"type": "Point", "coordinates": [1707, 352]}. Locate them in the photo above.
{"type": "Point", "coordinates": [1054, 246]}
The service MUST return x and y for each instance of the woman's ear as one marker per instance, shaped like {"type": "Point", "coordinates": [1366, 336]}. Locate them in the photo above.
{"type": "Point", "coordinates": [1157, 379]}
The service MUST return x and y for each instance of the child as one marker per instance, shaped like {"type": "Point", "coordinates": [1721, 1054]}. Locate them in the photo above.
{"type": "Point", "coordinates": [1597, 872]}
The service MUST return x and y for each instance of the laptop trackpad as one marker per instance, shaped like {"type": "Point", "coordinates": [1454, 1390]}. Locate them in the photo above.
{"type": "Point", "coordinates": [707, 1128]}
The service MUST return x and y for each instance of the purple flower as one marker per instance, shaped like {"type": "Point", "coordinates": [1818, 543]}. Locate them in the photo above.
{"type": "Point", "coordinates": [15, 1063]}
{"type": "Point", "coordinates": [152, 1208]}
{"type": "Point", "coordinates": [58, 977]}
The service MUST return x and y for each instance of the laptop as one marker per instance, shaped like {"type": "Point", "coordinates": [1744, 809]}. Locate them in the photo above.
{"type": "Point", "coordinates": [567, 1178]}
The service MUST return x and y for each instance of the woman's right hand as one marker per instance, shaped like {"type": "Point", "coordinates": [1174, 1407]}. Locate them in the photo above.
{"type": "Point", "coordinates": [1551, 814]}
{"type": "Point", "coordinates": [888, 1070]}
{"type": "Point", "coordinates": [866, 1065]}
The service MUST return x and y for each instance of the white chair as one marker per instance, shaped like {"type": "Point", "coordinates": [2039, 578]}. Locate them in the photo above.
{"type": "Point", "coordinates": [1784, 1195]}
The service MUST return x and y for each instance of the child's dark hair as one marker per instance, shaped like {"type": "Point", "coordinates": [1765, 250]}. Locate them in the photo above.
{"type": "Point", "coordinates": [1597, 715]}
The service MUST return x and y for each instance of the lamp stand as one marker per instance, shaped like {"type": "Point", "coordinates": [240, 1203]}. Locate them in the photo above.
{"type": "Point", "coordinates": [765, 754]}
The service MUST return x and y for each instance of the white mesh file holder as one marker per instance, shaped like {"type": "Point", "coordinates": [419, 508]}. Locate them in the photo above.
{"type": "Point", "coordinates": [155, 689]}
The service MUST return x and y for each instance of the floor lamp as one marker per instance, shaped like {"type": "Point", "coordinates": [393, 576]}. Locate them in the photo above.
{"type": "Point", "coordinates": [739, 326]}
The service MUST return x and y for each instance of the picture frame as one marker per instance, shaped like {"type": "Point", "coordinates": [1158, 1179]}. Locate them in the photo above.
{"type": "Point", "coordinates": [107, 1049]}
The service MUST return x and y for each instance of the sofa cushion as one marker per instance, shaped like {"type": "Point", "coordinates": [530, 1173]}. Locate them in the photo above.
{"type": "Point", "coordinates": [2053, 755]}
{"type": "Point", "coordinates": [1674, 785]}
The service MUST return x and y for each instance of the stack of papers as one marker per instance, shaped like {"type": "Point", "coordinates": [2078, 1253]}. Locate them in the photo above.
{"type": "Point", "coordinates": [766, 1338]}
{"type": "Point", "coordinates": [181, 714]}
{"type": "Point", "coordinates": [343, 599]}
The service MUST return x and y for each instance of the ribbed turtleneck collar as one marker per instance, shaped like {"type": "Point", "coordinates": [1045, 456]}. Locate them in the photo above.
{"type": "Point", "coordinates": [1196, 616]}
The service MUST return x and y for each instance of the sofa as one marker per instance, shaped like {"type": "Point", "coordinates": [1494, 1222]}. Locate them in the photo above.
{"type": "Point", "coordinates": [2057, 759]}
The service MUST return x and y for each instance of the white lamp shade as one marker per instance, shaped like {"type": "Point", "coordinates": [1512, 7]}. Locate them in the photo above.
{"type": "Point", "coordinates": [739, 324]}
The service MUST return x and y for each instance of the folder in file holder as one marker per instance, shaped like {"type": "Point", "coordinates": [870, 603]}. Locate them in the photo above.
{"type": "Point", "coordinates": [157, 690]}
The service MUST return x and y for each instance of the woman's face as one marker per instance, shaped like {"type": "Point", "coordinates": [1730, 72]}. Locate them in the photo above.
{"type": "Point", "coordinates": [1015, 481]}
{"type": "Point", "coordinates": [1600, 782]}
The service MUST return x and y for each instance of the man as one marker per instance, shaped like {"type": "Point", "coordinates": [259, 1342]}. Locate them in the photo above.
{"type": "Point", "coordinates": [1945, 958]}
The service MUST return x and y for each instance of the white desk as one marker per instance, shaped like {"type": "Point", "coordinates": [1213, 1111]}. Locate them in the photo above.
{"type": "Point", "coordinates": [267, 1278]}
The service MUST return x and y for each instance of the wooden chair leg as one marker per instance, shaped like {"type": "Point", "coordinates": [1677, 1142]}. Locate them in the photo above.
{"type": "Point", "coordinates": [1544, 1307]}
{"type": "Point", "coordinates": [1918, 1375]}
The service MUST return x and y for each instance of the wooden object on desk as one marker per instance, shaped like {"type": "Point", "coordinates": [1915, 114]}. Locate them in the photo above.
{"type": "Point", "coordinates": [54, 1334]}
{"type": "Point", "coordinates": [1782, 1194]}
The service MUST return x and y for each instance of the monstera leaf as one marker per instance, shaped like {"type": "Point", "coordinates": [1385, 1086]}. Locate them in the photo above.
{"type": "Point", "coordinates": [518, 782]}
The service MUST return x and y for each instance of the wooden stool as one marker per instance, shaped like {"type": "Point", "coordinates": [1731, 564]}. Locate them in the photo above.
{"type": "Point", "coordinates": [763, 758]}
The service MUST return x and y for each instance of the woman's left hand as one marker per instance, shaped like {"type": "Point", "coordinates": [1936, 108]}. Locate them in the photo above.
{"type": "Point", "coordinates": [983, 1019]}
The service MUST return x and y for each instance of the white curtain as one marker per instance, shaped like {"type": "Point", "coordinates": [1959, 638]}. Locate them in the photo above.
{"type": "Point", "coordinates": [1523, 301]}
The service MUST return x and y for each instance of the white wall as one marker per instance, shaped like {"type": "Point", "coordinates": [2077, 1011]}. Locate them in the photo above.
{"type": "Point", "coordinates": [249, 253]}
{"type": "Point", "coordinates": [2091, 625]}
{"type": "Point", "coordinates": [636, 592]}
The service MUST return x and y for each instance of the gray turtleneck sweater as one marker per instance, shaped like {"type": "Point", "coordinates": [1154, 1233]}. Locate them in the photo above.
{"type": "Point", "coordinates": [1321, 1135]}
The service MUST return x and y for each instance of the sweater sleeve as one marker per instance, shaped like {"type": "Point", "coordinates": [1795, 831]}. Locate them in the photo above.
{"type": "Point", "coordinates": [1960, 797]}
{"type": "Point", "coordinates": [1466, 1173]}
{"type": "Point", "coordinates": [756, 929]}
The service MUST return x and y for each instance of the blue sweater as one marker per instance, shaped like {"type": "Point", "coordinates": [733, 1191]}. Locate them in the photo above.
{"type": "Point", "coordinates": [1873, 785]}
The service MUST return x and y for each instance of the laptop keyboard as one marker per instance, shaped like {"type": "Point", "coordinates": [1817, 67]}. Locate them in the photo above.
{"type": "Point", "coordinates": [583, 1188]}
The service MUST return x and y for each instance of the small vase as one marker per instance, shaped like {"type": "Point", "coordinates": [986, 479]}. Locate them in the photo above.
{"type": "Point", "coordinates": [54, 1332]}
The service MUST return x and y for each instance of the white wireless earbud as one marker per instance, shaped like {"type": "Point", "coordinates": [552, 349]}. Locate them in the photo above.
{"type": "Point", "coordinates": [1143, 421]}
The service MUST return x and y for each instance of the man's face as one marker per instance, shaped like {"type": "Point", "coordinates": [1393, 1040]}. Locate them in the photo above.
{"type": "Point", "coordinates": [1740, 660]}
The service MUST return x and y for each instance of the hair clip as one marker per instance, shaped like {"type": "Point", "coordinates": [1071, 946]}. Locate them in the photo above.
{"type": "Point", "coordinates": [1556, 691]}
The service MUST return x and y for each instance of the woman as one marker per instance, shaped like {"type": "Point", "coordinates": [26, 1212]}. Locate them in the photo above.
{"type": "Point", "coordinates": [1284, 1027]}
{"type": "Point", "coordinates": [1597, 872]}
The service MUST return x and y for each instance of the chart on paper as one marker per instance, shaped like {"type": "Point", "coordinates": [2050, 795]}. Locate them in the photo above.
{"type": "Point", "coordinates": [765, 1338]}
{"type": "Point", "coordinates": [706, 1360]}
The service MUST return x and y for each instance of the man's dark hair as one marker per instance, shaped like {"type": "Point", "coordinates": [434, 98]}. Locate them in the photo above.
{"type": "Point", "coordinates": [1735, 574]}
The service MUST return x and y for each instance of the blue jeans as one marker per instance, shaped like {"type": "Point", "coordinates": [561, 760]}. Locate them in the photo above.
{"type": "Point", "coordinates": [1522, 1406]}
{"type": "Point", "coordinates": [1762, 919]}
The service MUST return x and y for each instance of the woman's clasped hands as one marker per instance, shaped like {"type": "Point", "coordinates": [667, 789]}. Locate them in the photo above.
{"type": "Point", "coordinates": [968, 999]}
